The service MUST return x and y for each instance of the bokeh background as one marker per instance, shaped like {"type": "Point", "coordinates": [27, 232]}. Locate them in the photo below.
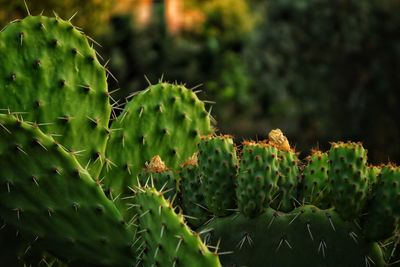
{"type": "Point", "coordinates": [320, 70]}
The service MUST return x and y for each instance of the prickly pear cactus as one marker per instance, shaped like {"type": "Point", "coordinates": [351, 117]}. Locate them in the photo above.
{"type": "Point", "coordinates": [51, 76]}
{"type": "Point", "coordinates": [288, 214]}
{"type": "Point", "coordinates": [257, 182]}
{"type": "Point", "coordinates": [191, 195]}
{"type": "Point", "coordinates": [315, 184]}
{"type": "Point", "coordinates": [45, 192]}
{"type": "Point", "coordinates": [218, 164]}
{"type": "Point", "coordinates": [306, 236]}
{"type": "Point", "coordinates": [382, 219]}
{"type": "Point", "coordinates": [348, 178]}
{"type": "Point", "coordinates": [165, 120]}
{"type": "Point", "coordinates": [258, 206]}
{"type": "Point", "coordinates": [288, 179]}
{"type": "Point", "coordinates": [167, 241]}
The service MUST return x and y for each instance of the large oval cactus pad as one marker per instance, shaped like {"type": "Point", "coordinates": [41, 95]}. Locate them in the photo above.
{"type": "Point", "coordinates": [165, 120]}
{"type": "Point", "coordinates": [50, 73]}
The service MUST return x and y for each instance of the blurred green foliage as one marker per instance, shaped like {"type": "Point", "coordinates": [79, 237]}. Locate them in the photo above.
{"type": "Point", "coordinates": [92, 15]}
{"type": "Point", "coordinates": [329, 70]}
{"type": "Point", "coordinates": [208, 55]}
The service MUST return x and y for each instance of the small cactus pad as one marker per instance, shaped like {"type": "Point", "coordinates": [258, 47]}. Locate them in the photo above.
{"type": "Point", "coordinates": [218, 165]}
{"type": "Point", "coordinates": [383, 210]}
{"type": "Point", "coordinates": [45, 192]}
{"type": "Point", "coordinates": [315, 186]}
{"type": "Point", "coordinates": [50, 74]}
{"type": "Point", "coordinates": [373, 174]}
{"type": "Point", "coordinates": [288, 168]}
{"type": "Point", "coordinates": [165, 120]}
{"type": "Point", "coordinates": [348, 176]}
{"type": "Point", "coordinates": [258, 177]}
{"type": "Point", "coordinates": [307, 236]}
{"type": "Point", "coordinates": [158, 175]}
{"type": "Point", "coordinates": [192, 197]}
{"type": "Point", "coordinates": [167, 240]}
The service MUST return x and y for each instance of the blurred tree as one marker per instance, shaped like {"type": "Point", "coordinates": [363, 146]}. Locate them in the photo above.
{"type": "Point", "coordinates": [328, 70]}
{"type": "Point", "coordinates": [92, 15]}
{"type": "Point", "coordinates": [209, 52]}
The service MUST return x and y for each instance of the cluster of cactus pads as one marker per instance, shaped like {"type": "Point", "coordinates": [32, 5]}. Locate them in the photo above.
{"type": "Point", "coordinates": [155, 186]}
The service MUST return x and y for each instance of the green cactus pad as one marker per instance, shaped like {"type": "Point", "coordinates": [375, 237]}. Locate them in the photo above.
{"type": "Point", "coordinates": [167, 240]}
{"type": "Point", "coordinates": [307, 236]}
{"type": "Point", "coordinates": [165, 120]}
{"type": "Point", "coordinates": [49, 73]}
{"type": "Point", "coordinates": [373, 174]}
{"type": "Point", "coordinates": [348, 176]}
{"type": "Point", "coordinates": [382, 213]}
{"type": "Point", "coordinates": [218, 165]}
{"type": "Point", "coordinates": [192, 197]}
{"type": "Point", "coordinates": [258, 176]}
{"type": "Point", "coordinates": [288, 180]}
{"type": "Point", "coordinates": [159, 176]}
{"type": "Point", "coordinates": [315, 186]}
{"type": "Point", "coordinates": [45, 192]}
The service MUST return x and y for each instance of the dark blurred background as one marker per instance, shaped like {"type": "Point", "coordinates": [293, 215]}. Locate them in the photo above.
{"type": "Point", "coordinates": [320, 70]}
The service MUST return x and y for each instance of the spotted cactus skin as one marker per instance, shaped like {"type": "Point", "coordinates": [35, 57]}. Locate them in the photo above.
{"type": "Point", "coordinates": [169, 242]}
{"type": "Point", "coordinates": [315, 229]}
{"type": "Point", "coordinates": [166, 120]}
{"type": "Point", "coordinates": [192, 197]}
{"type": "Point", "coordinates": [288, 181]}
{"type": "Point", "coordinates": [51, 76]}
{"type": "Point", "coordinates": [306, 236]}
{"type": "Point", "coordinates": [315, 184]}
{"type": "Point", "coordinates": [383, 216]}
{"type": "Point", "coordinates": [218, 165]}
{"type": "Point", "coordinates": [47, 194]}
{"type": "Point", "coordinates": [258, 177]}
{"type": "Point", "coordinates": [348, 177]}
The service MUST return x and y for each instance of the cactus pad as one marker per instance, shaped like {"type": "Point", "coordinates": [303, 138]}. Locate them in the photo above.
{"type": "Point", "coordinates": [316, 189]}
{"type": "Point", "coordinates": [167, 240]}
{"type": "Point", "coordinates": [257, 179]}
{"type": "Point", "coordinates": [383, 210]}
{"type": "Point", "coordinates": [288, 168]}
{"type": "Point", "coordinates": [165, 120]}
{"type": "Point", "coordinates": [348, 176]}
{"type": "Point", "coordinates": [192, 197]}
{"type": "Point", "coordinates": [50, 74]}
{"type": "Point", "coordinates": [45, 192]}
{"type": "Point", "coordinates": [305, 237]}
{"type": "Point", "coordinates": [218, 165]}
